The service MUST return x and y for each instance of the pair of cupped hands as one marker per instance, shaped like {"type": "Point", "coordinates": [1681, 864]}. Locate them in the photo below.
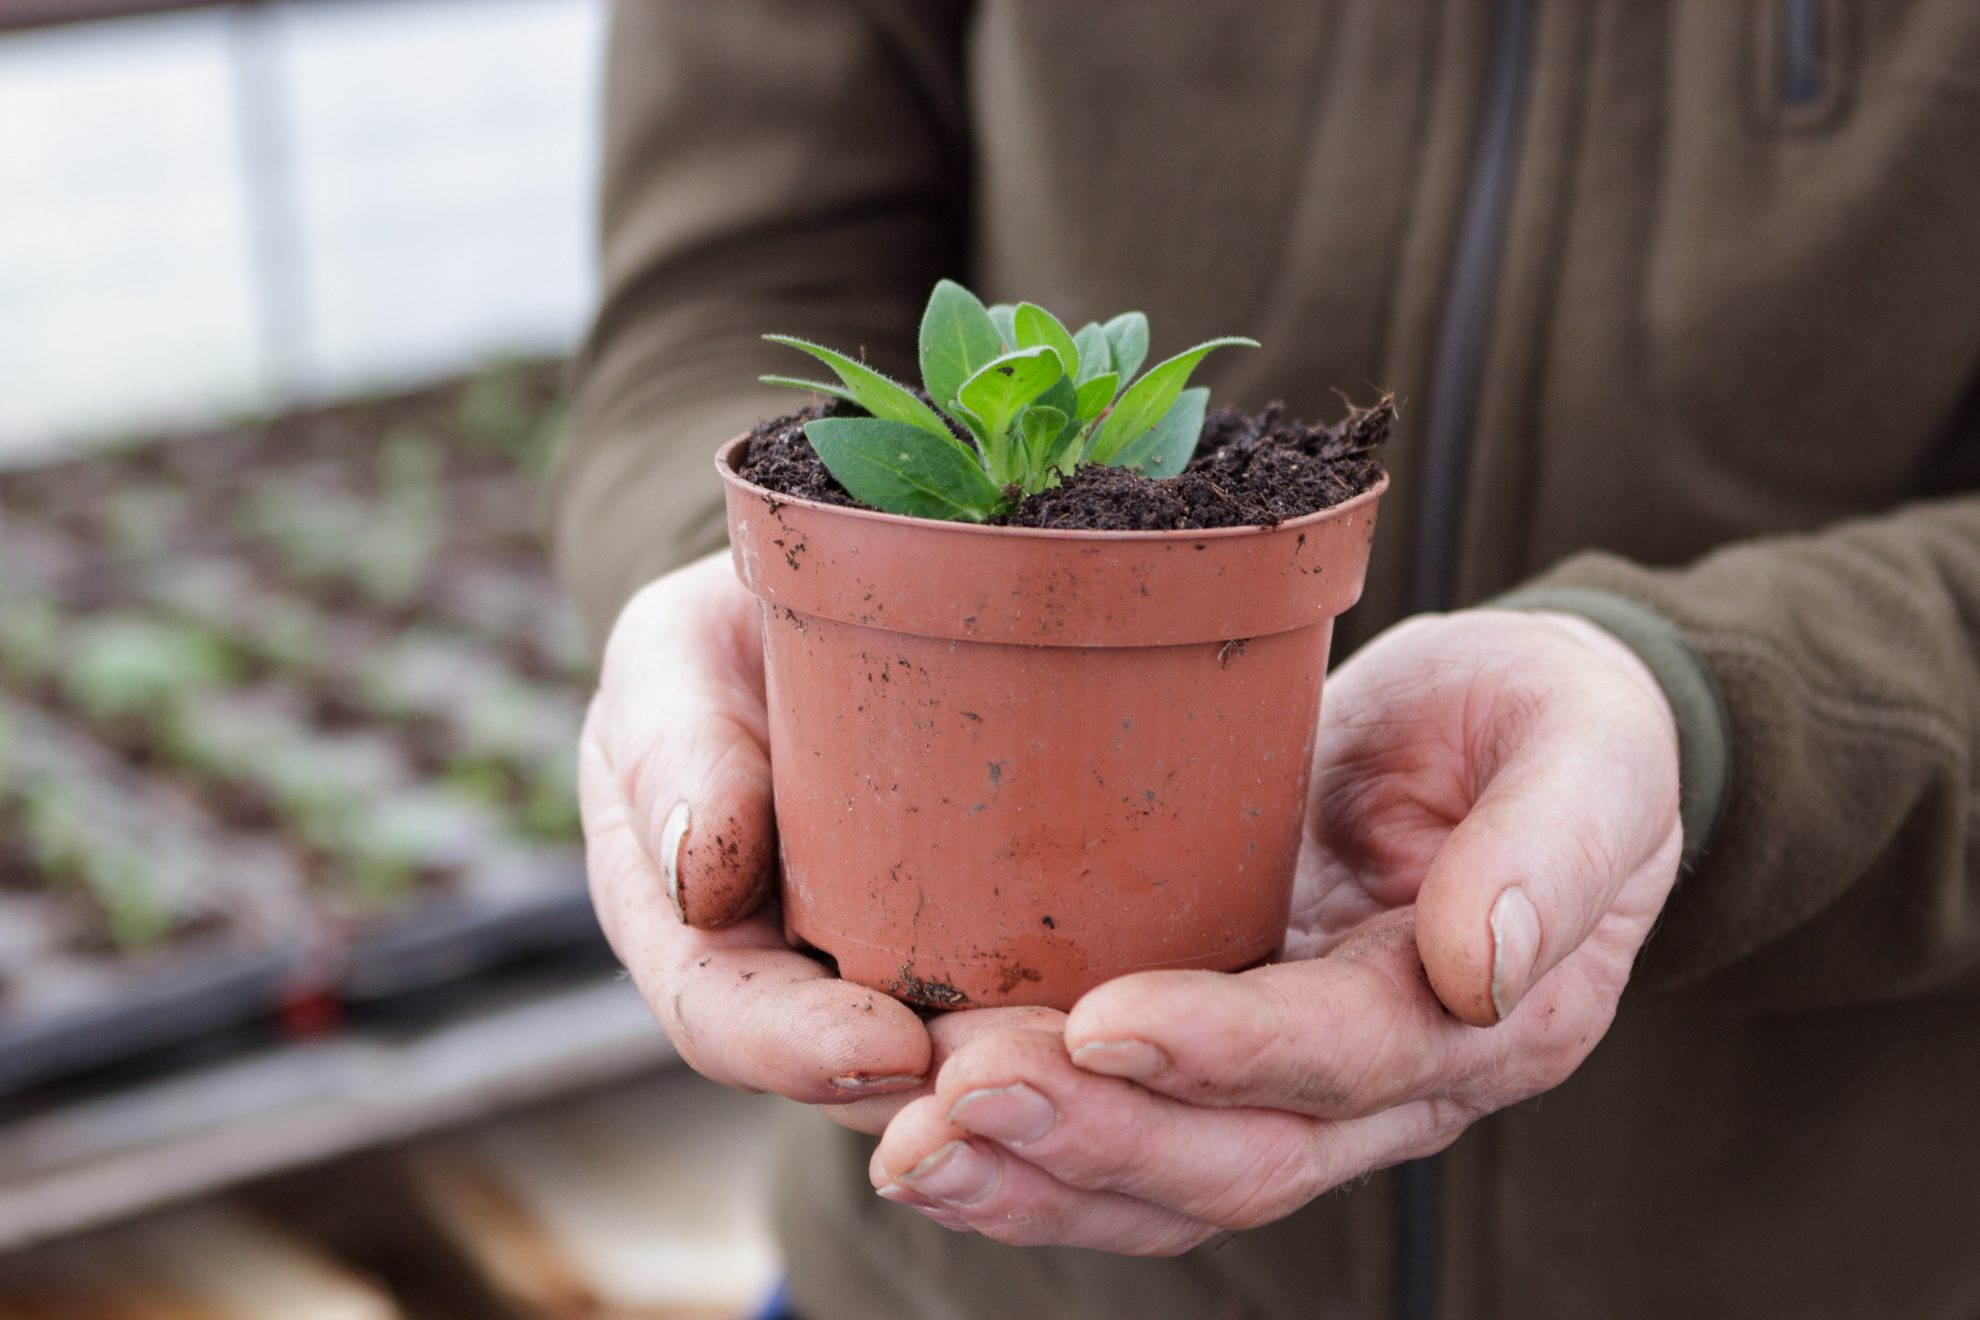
{"type": "Point", "coordinates": [1492, 830]}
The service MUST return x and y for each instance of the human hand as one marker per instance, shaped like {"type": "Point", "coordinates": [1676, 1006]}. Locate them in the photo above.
{"type": "Point", "coordinates": [674, 785]}
{"type": "Point", "coordinates": [1493, 829]}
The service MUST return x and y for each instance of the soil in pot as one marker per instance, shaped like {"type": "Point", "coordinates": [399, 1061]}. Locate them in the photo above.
{"type": "Point", "coordinates": [1249, 471]}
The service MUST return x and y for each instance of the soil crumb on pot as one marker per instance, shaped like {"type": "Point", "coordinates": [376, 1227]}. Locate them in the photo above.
{"type": "Point", "coordinates": [1248, 471]}
{"type": "Point", "coordinates": [927, 993]}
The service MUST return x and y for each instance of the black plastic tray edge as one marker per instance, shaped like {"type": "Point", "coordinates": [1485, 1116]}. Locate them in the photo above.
{"type": "Point", "coordinates": [170, 1010]}
{"type": "Point", "coordinates": [450, 941]}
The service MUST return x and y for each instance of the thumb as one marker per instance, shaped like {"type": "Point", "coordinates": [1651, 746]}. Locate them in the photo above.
{"type": "Point", "coordinates": [681, 717]}
{"type": "Point", "coordinates": [1583, 794]}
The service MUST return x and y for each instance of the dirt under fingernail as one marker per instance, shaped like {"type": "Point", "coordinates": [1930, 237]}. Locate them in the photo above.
{"type": "Point", "coordinates": [875, 1084]}
{"type": "Point", "coordinates": [673, 847]}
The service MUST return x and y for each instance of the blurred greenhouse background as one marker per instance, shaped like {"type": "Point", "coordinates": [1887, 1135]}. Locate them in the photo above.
{"type": "Point", "coordinates": [203, 213]}
{"type": "Point", "coordinates": [299, 984]}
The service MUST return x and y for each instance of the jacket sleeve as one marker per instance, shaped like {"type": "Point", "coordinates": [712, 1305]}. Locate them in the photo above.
{"type": "Point", "coordinates": [795, 166]}
{"type": "Point", "coordinates": [1847, 665]}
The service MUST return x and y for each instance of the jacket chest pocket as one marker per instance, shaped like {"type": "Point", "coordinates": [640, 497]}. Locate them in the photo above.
{"type": "Point", "coordinates": [1812, 294]}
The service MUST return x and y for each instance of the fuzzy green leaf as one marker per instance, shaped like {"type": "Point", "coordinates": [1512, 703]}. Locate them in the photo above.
{"type": "Point", "coordinates": [814, 386]}
{"type": "Point", "coordinates": [1095, 395]}
{"type": "Point", "coordinates": [1035, 326]}
{"type": "Point", "coordinates": [900, 468]}
{"type": "Point", "coordinates": [1060, 395]}
{"type": "Point", "coordinates": [998, 392]}
{"type": "Point", "coordinates": [976, 428]}
{"type": "Point", "coordinates": [1065, 400]}
{"type": "Point", "coordinates": [1096, 356]}
{"type": "Point", "coordinates": [886, 399]}
{"type": "Point", "coordinates": [957, 337]}
{"type": "Point", "coordinates": [1167, 448]}
{"type": "Point", "coordinates": [1127, 336]}
{"type": "Point", "coordinates": [1004, 317]}
{"type": "Point", "coordinates": [1145, 401]}
{"type": "Point", "coordinates": [1038, 428]}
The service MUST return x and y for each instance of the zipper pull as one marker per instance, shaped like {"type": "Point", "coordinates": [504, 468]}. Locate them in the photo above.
{"type": "Point", "coordinates": [1801, 45]}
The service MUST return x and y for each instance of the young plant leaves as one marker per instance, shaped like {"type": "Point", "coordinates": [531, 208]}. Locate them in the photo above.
{"type": "Point", "coordinates": [1037, 327]}
{"type": "Point", "coordinates": [957, 337]}
{"type": "Point", "coordinates": [1038, 428]}
{"type": "Point", "coordinates": [1095, 395]}
{"type": "Point", "coordinates": [1127, 336]}
{"type": "Point", "coordinates": [990, 457]}
{"type": "Point", "coordinates": [998, 392]}
{"type": "Point", "coordinates": [1060, 396]}
{"type": "Point", "coordinates": [1145, 401]}
{"type": "Point", "coordinates": [1167, 448]}
{"type": "Point", "coordinates": [815, 386]}
{"type": "Point", "coordinates": [902, 469]}
{"type": "Point", "coordinates": [1004, 317]}
{"type": "Point", "coordinates": [1061, 399]}
{"type": "Point", "coordinates": [1096, 358]}
{"type": "Point", "coordinates": [1036, 400]}
{"type": "Point", "coordinates": [884, 398]}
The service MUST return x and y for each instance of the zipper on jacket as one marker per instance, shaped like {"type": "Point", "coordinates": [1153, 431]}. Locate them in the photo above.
{"type": "Point", "coordinates": [1468, 301]}
{"type": "Point", "coordinates": [1452, 411]}
{"type": "Point", "coordinates": [1803, 38]}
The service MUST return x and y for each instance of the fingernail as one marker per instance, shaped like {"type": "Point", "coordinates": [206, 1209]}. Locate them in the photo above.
{"type": "Point", "coordinates": [1515, 949]}
{"type": "Point", "coordinates": [956, 1174]}
{"type": "Point", "coordinates": [673, 837]}
{"type": "Point", "coordinates": [1134, 1059]}
{"type": "Point", "coordinates": [896, 1193]}
{"type": "Point", "coordinates": [1015, 1115]}
{"type": "Point", "coordinates": [866, 1084]}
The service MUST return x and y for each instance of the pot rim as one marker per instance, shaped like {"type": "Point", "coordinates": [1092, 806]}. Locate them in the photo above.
{"type": "Point", "coordinates": [725, 467]}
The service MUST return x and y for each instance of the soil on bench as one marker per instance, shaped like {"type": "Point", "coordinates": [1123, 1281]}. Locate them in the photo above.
{"type": "Point", "coordinates": [1249, 470]}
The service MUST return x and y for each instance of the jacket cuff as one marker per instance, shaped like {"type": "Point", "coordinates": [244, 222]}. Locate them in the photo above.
{"type": "Point", "coordinates": [1704, 745]}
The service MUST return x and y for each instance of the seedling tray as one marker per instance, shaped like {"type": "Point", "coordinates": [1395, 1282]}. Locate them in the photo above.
{"type": "Point", "coordinates": [318, 667]}
{"type": "Point", "coordinates": [231, 944]}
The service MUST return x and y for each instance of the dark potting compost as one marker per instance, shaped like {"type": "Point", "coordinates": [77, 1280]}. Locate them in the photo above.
{"type": "Point", "coordinates": [1248, 471]}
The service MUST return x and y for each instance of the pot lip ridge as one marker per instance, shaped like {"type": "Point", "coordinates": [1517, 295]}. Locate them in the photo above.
{"type": "Point", "coordinates": [725, 467]}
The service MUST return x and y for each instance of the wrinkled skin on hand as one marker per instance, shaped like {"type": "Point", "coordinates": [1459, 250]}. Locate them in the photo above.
{"type": "Point", "coordinates": [1493, 830]}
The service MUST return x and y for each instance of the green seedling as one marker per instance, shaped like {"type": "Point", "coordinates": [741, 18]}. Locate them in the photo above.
{"type": "Point", "coordinates": [72, 851]}
{"type": "Point", "coordinates": [479, 779]}
{"type": "Point", "coordinates": [1020, 403]}
{"type": "Point", "coordinates": [310, 531]}
{"type": "Point", "coordinates": [30, 639]}
{"type": "Point", "coordinates": [288, 635]}
{"type": "Point", "coordinates": [138, 667]}
{"type": "Point", "coordinates": [391, 564]}
{"type": "Point", "coordinates": [511, 721]}
{"type": "Point", "coordinates": [410, 457]}
{"type": "Point", "coordinates": [139, 519]}
{"type": "Point", "coordinates": [383, 548]}
{"type": "Point", "coordinates": [118, 875]}
{"type": "Point", "coordinates": [550, 807]}
{"type": "Point", "coordinates": [57, 829]}
{"type": "Point", "coordinates": [392, 842]}
{"type": "Point", "coordinates": [225, 740]}
{"type": "Point", "coordinates": [319, 793]}
{"type": "Point", "coordinates": [501, 411]}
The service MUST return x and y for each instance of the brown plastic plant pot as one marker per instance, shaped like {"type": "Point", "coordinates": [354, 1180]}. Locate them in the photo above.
{"type": "Point", "coordinates": [1011, 764]}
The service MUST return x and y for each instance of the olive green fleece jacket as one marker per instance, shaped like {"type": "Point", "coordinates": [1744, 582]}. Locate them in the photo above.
{"type": "Point", "coordinates": [1682, 300]}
